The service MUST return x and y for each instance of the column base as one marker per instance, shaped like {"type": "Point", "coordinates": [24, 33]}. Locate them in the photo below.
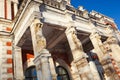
{"type": "Point", "coordinates": [43, 64]}
{"type": "Point", "coordinates": [84, 69]}
{"type": "Point", "coordinates": [75, 73]}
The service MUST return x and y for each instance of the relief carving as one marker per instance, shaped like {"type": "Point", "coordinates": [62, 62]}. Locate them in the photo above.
{"type": "Point", "coordinates": [75, 39]}
{"type": "Point", "coordinates": [78, 45]}
{"type": "Point", "coordinates": [112, 40]}
{"type": "Point", "coordinates": [41, 41]}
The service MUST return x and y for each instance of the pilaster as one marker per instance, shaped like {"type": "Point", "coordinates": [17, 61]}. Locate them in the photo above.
{"type": "Point", "coordinates": [8, 9]}
{"type": "Point", "coordinates": [2, 8]}
{"type": "Point", "coordinates": [80, 66]}
{"type": "Point", "coordinates": [18, 67]}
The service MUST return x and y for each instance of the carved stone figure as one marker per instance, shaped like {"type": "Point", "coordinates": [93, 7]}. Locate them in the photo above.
{"type": "Point", "coordinates": [41, 41]}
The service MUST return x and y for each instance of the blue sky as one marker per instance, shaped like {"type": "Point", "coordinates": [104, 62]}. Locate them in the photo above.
{"type": "Point", "coordinates": [109, 8]}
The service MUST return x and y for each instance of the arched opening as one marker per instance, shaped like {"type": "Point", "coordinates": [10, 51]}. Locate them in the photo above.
{"type": "Point", "coordinates": [31, 74]}
{"type": "Point", "coordinates": [62, 73]}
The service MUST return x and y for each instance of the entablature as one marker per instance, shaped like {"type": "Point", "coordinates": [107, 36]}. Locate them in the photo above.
{"type": "Point", "coordinates": [48, 14]}
{"type": "Point", "coordinates": [102, 19]}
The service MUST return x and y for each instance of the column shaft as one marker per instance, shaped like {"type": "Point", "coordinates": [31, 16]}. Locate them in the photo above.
{"type": "Point", "coordinates": [46, 68]}
{"type": "Point", "coordinates": [94, 70]}
{"type": "Point", "coordinates": [42, 56]}
{"type": "Point", "coordinates": [52, 68]}
{"type": "Point", "coordinates": [80, 63]}
{"type": "Point", "coordinates": [102, 50]}
{"type": "Point", "coordinates": [97, 43]}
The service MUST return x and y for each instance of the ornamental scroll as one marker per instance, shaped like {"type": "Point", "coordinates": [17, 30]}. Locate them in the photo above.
{"type": "Point", "coordinates": [40, 39]}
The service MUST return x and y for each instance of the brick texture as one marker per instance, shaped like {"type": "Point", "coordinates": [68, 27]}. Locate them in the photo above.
{"type": "Point", "coordinates": [9, 51]}
{"type": "Point", "coordinates": [8, 29]}
{"type": "Point", "coordinates": [9, 70]}
{"type": "Point", "coordinates": [9, 60]}
{"type": "Point", "coordinates": [8, 43]}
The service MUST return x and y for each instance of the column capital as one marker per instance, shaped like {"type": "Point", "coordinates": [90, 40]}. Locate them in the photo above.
{"type": "Point", "coordinates": [43, 54]}
{"type": "Point", "coordinates": [37, 22]}
{"type": "Point", "coordinates": [95, 35]}
{"type": "Point", "coordinates": [71, 30]}
{"type": "Point", "coordinates": [16, 49]}
{"type": "Point", "coordinates": [36, 19]}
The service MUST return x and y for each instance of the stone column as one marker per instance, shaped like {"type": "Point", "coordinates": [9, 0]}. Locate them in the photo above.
{"type": "Point", "coordinates": [94, 70]}
{"type": "Point", "coordinates": [18, 68]}
{"type": "Point", "coordinates": [80, 66]}
{"type": "Point", "coordinates": [102, 50]}
{"type": "Point", "coordinates": [43, 64]}
{"type": "Point", "coordinates": [97, 43]}
{"type": "Point", "coordinates": [52, 68]}
{"type": "Point", "coordinates": [38, 40]}
{"type": "Point", "coordinates": [45, 67]}
{"type": "Point", "coordinates": [43, 60]}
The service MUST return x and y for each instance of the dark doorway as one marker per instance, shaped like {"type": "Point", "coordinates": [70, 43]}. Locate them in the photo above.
{"type": "Point", "coordinates": [31, 74]}
{"type": "Point", "coordinates": [62, 73]}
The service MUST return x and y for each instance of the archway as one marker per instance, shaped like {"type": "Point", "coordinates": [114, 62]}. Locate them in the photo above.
{"type": "Point", "coordinates": [62, 73]}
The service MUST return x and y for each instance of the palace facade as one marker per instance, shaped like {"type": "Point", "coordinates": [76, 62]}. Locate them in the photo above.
{"type": "Point", "coordinates": [52, 40]}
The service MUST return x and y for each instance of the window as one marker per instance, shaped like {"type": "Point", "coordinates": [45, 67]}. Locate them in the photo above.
{"type": "Point", "coordinates": [30, 74]}
{"type": "Point", "coordinates": [62, 73]}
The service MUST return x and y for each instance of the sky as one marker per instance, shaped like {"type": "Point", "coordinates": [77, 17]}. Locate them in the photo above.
{"type": "Point", "coordinates": [110, 8]}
